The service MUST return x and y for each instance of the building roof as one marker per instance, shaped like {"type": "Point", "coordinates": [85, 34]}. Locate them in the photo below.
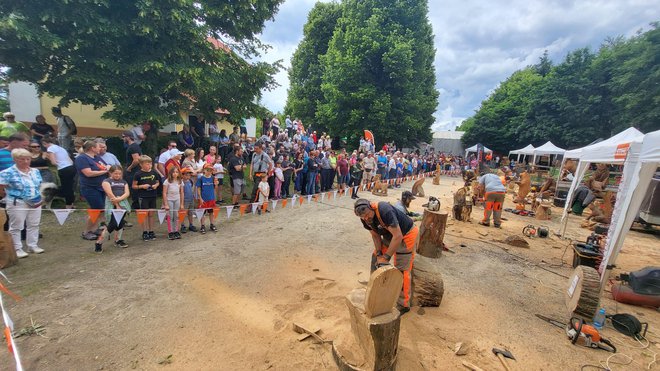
{"type": "Point", "coordinates": [445, 134]}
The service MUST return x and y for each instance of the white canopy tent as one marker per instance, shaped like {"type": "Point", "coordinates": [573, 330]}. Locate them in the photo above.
{"type": "Point", "coordinates": [609, 151]}
{"type": "Point", "coordinates": [473, 149]}
{"type": "Point", "coordinates": [639, 167]}
{"type": "Point", "coordinates": [528, 150]}
{"type": "Point", "coordinates": [547, 149]}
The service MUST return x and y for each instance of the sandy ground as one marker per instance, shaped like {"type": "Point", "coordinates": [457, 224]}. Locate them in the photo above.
{"type": "Point", "coordinates": [226, 301]}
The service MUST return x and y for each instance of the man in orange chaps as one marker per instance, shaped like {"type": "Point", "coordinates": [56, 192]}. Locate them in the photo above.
{"type": "Point", "coordinates": [394, 235]}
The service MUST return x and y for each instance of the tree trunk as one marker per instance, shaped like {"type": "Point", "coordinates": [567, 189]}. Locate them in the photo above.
{"type": "Point", "coordinates": [428, 287]}
{"type": "Point", "coordinates": [431, 234]}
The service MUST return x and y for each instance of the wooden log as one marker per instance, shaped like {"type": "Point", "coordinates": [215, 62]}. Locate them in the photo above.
{"type": "Point", "coordinates": [417, 189]}
{"type": "Point", "coordinates": [382, 291]}
{"type": "Point", "coordinates": [7, 252]}
{"type": "Point", "coordinates": [583, 294]}
{"type": "Point", "coordinates": [431, 234]}
{"type": "Point", "coordinates": [428, 286]}
{"type": "Point", "coordinates": [436, 179]}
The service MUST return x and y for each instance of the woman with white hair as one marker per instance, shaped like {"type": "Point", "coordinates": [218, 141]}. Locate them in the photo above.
{"type": "Point", "coordinates": [19, 184]}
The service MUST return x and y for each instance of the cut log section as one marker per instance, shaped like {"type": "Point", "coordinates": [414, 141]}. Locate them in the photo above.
{"type": "Point", "coordinates": [382, 291]}
{"type": "Point", "coordinates": [431, 234]}
{"type": "Point", "coordinates": [436, 179]}
{"type": "Point", "coordinates": [428, 286]}
{"type": "Point", "coordinates": [375, 338]}
{"type": "Point", "coordinates": [583, 293]}
{"type": "Point", "coordinates": [7, 252]}
{"type": "Point", "coordinates": [417, 189]}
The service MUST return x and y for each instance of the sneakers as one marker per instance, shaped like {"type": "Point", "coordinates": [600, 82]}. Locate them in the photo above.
{"type": "Point", "coordinates": [192, 228]}
{"type": "Point", "coordinates": [152, 235]}
{"type": "Point", "coordinates": [89, 236]}
{"type": "Point", "coordinates": [121, 243]}
{"type": "Point", "coordinates": [213, 228]}
{"type": "Point", "coordinates": [98, 247]}
{"type": "Point", "coordinates": [202, 229]}
{"type": "Point", "coordinates": [177, 235]}
{"type": "Point", "coordinates": [170, 236]}
{"type": "Point", "coordinates": [20, 253]}
{"type": "Point", "coordinates": [36, 250]}
{"type": "Point", "coordinates": [183, 229]}
{"type": "Point", "coordinates": [145, 236]}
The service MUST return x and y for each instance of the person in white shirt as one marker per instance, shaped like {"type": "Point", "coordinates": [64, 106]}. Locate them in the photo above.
{"type": "Point", "coordinates": [164, 157]}
{"type": "Point", "coordinates": [219, 173]}
{"type": "Point", "coordinates": [59, 157]}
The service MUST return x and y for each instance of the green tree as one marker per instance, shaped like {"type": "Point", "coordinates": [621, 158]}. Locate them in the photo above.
{"type": "Point", "coordinates": [306, 69]}
{"type": "Point", "coordinates": [147, 59]}
{"type": "Point", "coordinates": [378, 72]}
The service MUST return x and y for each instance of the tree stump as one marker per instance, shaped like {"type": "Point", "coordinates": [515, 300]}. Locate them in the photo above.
{"type": "Point", "coordinates": [374, 342]}
{"type": "Point", "coordinates": [417, 189]}
{"type": "Point", "coordinates": [436, 179]}
{"type": "Point", "coordinates": [7, 252]}
{"type": "Point", "coordinates": [431, 234]}
{"type": "Point", "coordinates": [428, 287]}
{"type": "Point", "coordinates": [583, 294]}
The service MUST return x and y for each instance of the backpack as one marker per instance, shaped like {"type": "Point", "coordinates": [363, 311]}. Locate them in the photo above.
{"type": "Point", "coordinates": [72, 125]}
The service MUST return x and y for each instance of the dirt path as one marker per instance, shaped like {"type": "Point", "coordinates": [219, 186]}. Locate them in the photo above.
{"type": "Point", "coordinates": [226, 301]}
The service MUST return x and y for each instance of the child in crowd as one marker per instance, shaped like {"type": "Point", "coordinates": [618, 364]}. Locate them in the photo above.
{"type": "Point", "coordinates": [263, 192]}
{"type": "Point", "coordinates": [206, 196]}
{"type": "Point", "coordinates": [145, 183]}
{"type": "Point", "coordinates": [279, 179]}
{"type": "Point", "coordinates": [219, 172]}
{"type": "Point", "coordinates": [172, 201]}
{"type": "Point", "coordinates": [188, 199]}
{"type": "Point", "coordinates": [116, 197]}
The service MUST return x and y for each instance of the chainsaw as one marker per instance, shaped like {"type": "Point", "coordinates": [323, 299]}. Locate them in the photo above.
{"type": "Point", "coordinates": [579, 333]}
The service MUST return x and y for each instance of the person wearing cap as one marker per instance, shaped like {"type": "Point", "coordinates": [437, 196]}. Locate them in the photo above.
{"type": "Point", "coordinates": [10, 119]}
{"type": "Point", "coordinates": [66, 129]}
{"type": "Point", "coordinates": [494, 196]}
{"type": "Point", "coordinates": [404, 203]}
{"type": "Point", "coordinates": [394, 235]}
{"type": "Point", "coordinates": [174, 161]}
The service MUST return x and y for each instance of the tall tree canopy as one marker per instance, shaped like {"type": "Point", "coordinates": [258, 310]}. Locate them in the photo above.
{"type": "Point", "coordinates": [148, 59]}
{"type": "Point", "coordinates": [585, 97]}
{"type": "Point", "coordinates": [377, 71]}
{"type": "Point", "coordinates": [306, 69]}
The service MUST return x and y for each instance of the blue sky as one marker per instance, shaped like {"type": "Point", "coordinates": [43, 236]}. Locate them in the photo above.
{"type": "Point", "coordinates": [480, 43]}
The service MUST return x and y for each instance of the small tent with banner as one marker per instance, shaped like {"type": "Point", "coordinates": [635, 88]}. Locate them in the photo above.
{"type": "Point", "coordinates": [474, 149]}
{"type": "Point", "coordinates": [641, 163]}
{"type": "Point", "coordinates": [609, 151]}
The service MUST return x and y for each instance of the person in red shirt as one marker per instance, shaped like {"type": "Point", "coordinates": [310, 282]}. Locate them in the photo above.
{"type": "Point", "coordinates": [174, 161]}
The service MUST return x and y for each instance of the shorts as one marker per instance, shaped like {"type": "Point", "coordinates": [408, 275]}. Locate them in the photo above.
{"type": "Point", "coordinates": [343, 179]}
{"type": "Point", "coordinates": [188, 205]}
{"type": "Point", "coordinates": [243, 130]}
{"type": "Point", "coordinates": [207, 204]}
{"type": "Point", "coordinates": [146, 203]}
{"type": "Point", "coordinates": [95, 197]}
{"type": "Point", "coordinates": [220, 181]}
{"type": "Point", "coordinates": [239, 186]}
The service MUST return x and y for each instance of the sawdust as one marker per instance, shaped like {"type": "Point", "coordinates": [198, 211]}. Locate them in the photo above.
{"type": "Point", "coordinates": [226, 301]}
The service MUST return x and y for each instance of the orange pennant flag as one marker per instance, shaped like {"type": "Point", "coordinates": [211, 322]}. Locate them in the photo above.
{"type": "Point", "coordinates": [350, 191]}
{"type": "Point", "coordinates": [284, 202]}
{"type": "Point", "coordinates": [141, 216]}
{"type": "Point", "coordinates": [93, 214]}
{"type": "Point", "coordinates": [242, 208]}
{"type": "Point", "coordinates": [316, 198]}
{"type": "Point", "coordinates": [216, 210]}
{"type": "Point", "coordinates": [328, 194]}
{"type": "Point", "coordinates": [8, 337]}
{"type": "Point", "coordinates": [264, 206]}
{"type": "Point", "coordinates": [301, 199]}
{"type": "Point", "coordinates": [182, 215]}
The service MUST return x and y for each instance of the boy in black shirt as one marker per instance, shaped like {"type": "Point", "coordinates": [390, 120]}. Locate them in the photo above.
{"type": "Point", "coordinates": [145, 184]}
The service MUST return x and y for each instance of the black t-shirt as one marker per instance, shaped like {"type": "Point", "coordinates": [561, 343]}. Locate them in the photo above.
{"type": "Point", "coordinates": [130, 150]}
{"type": "Point", "coordinates": [285, 164]}
{"type": "Point", "coordinates": [42, 129]}
{"type": "Point", "coordinates": [150, 178]}
{"type": "Point", "coordinates": [233, 162]}
{"type": "Point", "coordinates": [312, 165]}
{"type": "Point", "coordinates": [391, 218]}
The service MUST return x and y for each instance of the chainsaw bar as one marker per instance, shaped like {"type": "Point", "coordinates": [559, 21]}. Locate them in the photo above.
{"type": "Point", "coordinates": [552, 321]}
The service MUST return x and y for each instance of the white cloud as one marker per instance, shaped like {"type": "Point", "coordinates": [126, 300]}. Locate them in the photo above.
{"type": "Point", "coordinates": [479, 44]}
